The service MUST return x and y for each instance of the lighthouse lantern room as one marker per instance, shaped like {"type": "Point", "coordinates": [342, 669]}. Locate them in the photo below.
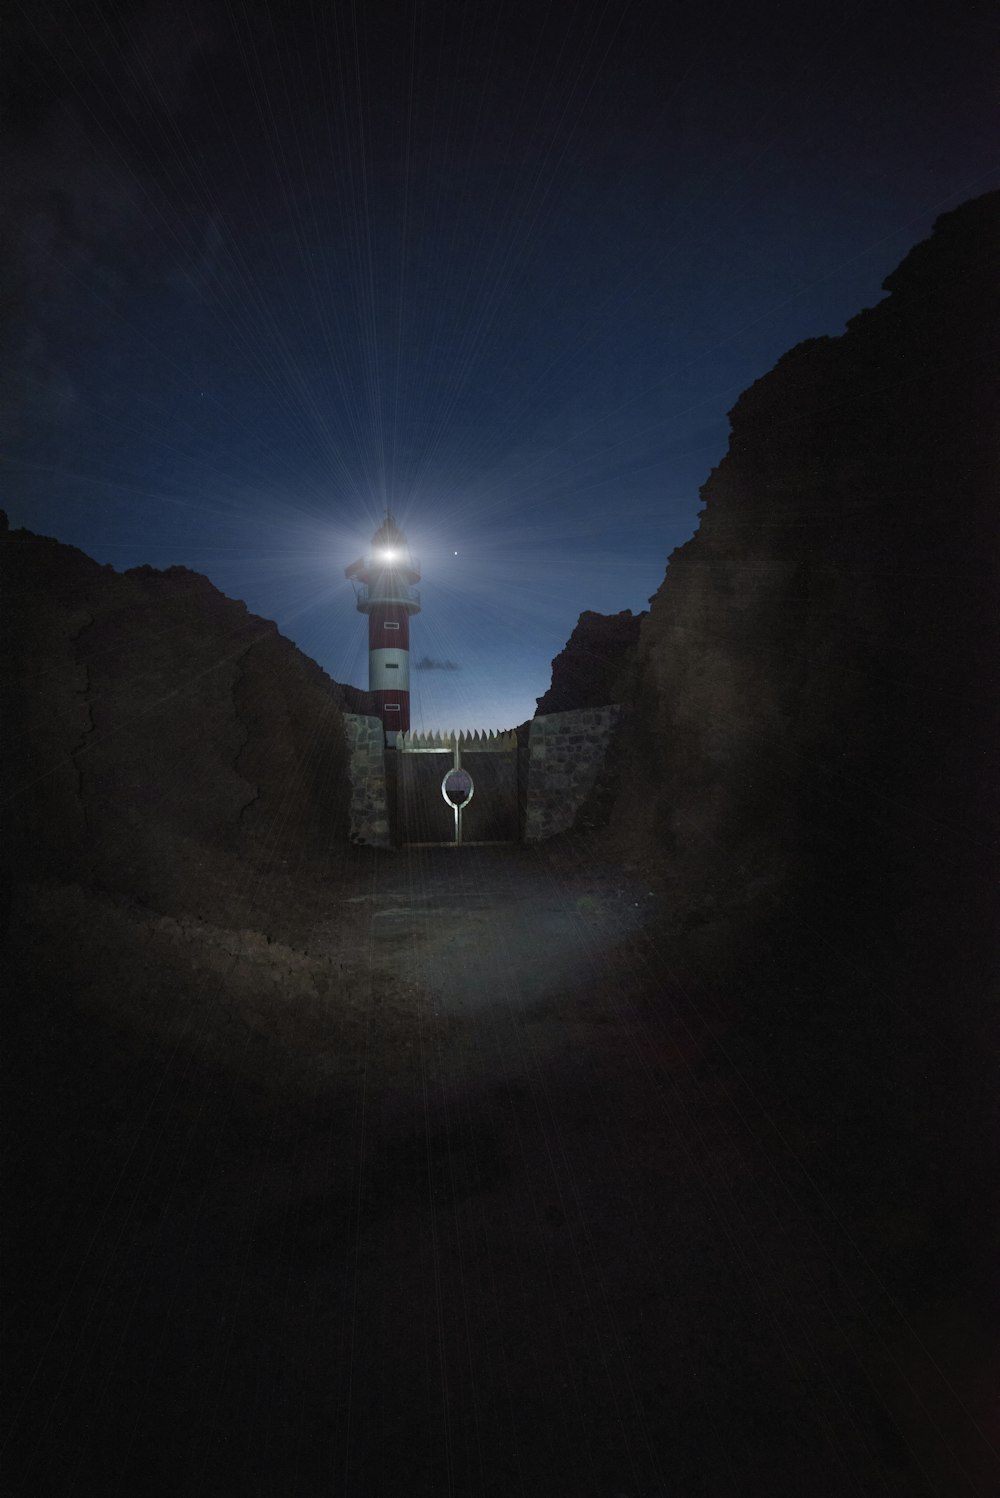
{"type": "Point", "coordinates": [384, 586]}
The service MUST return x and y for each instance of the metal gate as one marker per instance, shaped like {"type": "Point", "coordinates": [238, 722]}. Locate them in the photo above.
{"type": "Point", "coordinates": [456, 787]}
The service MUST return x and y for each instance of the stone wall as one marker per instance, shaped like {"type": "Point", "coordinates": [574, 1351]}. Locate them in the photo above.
{"type": "Point", "coordinates": [369, 814]}
{"type": "Point", "coordinates": [566, 756]}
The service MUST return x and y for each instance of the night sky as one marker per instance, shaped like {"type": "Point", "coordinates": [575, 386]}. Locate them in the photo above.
{"type": "Point", "coordinates": [500, 267]}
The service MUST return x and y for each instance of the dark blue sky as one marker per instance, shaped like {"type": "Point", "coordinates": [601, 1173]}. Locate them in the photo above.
{"type": "Point", "coordinates": [503, 267]}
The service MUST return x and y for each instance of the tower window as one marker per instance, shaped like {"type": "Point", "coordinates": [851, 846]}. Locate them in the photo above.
{"type": "Point", "coordinates": [392, 707]}
{"type": "Point", "coordinates": [391, 666]}
{"type": "Point", "coordinates": [390, 623]}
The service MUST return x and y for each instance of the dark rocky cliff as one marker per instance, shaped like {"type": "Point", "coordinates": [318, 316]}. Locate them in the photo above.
{"type": "Point", "coordinates": [812, 774]}
{"type": "Point", "coordinates": [156, 734]}
{"type": "Point", "coordinates": [817, 669]}
{"type": "Point", "coordinates": [597, 664]}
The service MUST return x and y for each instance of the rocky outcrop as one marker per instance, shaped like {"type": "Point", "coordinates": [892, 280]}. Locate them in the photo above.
{"type": "Point", "coordinates": [597, 665]}
{"type": "Point", "coordinates": [157, 736]}
{"type": "Point", "coordinates": [816, 671]}
{"type": "Point", "coordinates": [811, 775]}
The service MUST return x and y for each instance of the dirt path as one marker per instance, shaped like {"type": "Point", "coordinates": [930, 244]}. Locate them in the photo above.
{"type": "Point", "coordinates": [542, 1243]}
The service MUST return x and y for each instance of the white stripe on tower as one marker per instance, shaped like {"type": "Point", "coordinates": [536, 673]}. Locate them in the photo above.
{"type": "Point", "coordinates": [388, 669]}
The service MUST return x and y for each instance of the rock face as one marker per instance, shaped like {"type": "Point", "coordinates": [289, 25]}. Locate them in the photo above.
{"type": "Point", "coordinates": [597, 665]}
{"type": "Point", "coordinates": [816, 671]}
{"type": "Point", "coordinates": [811, 769]}
{"type": "Point", "coordinates": [156, 733]}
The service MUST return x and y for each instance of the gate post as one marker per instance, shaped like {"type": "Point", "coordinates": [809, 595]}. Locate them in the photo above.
{"type": "Point", "coordinates": [458, 809]}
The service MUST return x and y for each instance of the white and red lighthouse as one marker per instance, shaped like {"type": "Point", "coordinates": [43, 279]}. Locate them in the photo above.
{"type": "Point", "coordinates": [384, 585]}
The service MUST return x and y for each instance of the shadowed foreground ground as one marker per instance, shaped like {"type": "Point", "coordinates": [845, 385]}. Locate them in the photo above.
{"type": "Point", "coordinates": [553, 1223]}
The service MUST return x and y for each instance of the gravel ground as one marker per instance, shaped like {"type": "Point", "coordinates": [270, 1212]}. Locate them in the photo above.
{"type": "Point", "coordinates": [505, 1209]}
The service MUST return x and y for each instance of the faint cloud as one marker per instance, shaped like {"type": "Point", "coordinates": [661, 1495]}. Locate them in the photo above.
{"type": "Point", "coordinates": [87, 224]}
{"type": "Point", "coordinates": [163, 53]}
{"type": "Point", "coordinates": [70, 222]}
{"type": "Point", "coordinates": [199, 272]}
{"type": "Point", "coordinates": [428, 663]}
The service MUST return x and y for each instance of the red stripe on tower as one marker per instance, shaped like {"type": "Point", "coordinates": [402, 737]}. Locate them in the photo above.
{"type": "Point", "coordinates": [384, 584]}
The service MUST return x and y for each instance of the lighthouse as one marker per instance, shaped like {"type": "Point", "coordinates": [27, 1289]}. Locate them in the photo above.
{"type": "Point", "coordinates": [384, 587]}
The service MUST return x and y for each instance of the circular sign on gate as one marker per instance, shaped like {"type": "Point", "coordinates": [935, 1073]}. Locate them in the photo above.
{"type": "Point", "coordinates": [457, 788]}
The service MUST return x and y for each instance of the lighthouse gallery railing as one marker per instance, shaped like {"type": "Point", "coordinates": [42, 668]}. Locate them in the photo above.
{"type": "Point", "coordinates": [385, 591]}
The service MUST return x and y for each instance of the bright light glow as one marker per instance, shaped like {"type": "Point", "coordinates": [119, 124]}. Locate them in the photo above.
{"type": "Point", "coordinates": [387, 556]}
